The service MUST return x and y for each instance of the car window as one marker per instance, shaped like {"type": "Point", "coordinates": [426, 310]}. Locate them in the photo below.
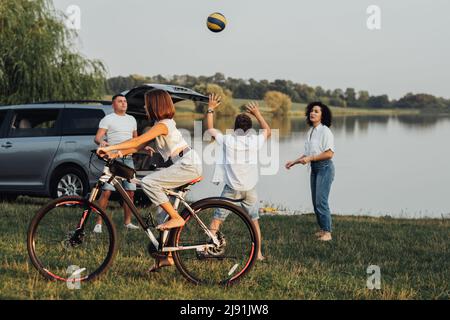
{"type": "Point", "coordinates": [2, 117]}
{"type": "Point", "coordinates": [81, 122]}
{"type": "Point", "coordinates": [34, 123]}
{"type": "Point", "coordinates": [2, 120]}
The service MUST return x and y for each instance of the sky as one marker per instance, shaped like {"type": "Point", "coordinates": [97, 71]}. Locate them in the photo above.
{"type": "Point", "coordinates": [320, 42]}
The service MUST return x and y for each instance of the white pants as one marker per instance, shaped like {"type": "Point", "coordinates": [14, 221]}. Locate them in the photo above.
{"type": "Point", "coordinates": [184, 170]}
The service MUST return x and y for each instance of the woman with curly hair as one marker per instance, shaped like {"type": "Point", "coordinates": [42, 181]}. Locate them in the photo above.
{"type": "Point", "coordinates": [319, 150]}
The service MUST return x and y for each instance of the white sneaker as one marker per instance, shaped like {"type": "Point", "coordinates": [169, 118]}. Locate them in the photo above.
{"type": "Point", "coordinates": [131, 226]}
{"type": "Point", "coordinates": [98, 228]}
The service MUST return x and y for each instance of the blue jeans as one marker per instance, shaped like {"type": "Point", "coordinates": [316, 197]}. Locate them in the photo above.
{"type": "Point", "coordinates": [322, 175]}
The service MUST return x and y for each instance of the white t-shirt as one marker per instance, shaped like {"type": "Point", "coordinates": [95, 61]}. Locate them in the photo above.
{"type": "Point", "coordinates": [319, 140]}
{"type": "Point", "coordinates": [239, 160]}
{"type": "Point", "coordinates": [119, 128]}
{"type": "Point", "coordinates": [167, 144]}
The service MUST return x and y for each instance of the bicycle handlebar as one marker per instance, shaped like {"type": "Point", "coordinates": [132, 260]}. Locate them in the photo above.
{"type": "Point", "coordinates": [110, 161]}
{"type": "Point", "coordinates": [104, 159]}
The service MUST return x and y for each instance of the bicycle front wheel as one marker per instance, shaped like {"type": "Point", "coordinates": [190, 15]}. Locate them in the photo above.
{"type": "Point", "coordinates": [225, 263]}
{"type": "Point", "coordinates": [61, 242]}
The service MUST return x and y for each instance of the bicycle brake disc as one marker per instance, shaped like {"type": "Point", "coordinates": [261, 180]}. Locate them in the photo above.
{"type": "Point", "coordinates": [220, 249]}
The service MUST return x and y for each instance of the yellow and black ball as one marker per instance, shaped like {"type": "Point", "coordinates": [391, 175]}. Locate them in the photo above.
{"type": "Point", "coordinates": [216, 22]}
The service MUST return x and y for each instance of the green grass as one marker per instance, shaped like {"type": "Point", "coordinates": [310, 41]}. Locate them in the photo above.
{"type": "Point", "coordinates": [413, 256]}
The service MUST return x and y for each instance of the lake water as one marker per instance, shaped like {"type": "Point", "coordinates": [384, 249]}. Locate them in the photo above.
{"type": "Point", "coordinates": [385, 165]}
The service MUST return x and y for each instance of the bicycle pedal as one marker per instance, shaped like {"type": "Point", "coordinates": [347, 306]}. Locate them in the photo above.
{"type": "Point", "coordinates": [159, 255]}
{"type": "Point", "coordinates": [155, 253]}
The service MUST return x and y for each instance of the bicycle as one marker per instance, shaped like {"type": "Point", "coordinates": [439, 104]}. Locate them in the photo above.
{"type": "Point", "coordinates": [61, 241]}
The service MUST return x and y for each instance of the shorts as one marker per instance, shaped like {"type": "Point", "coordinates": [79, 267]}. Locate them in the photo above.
{"type": "Point", "coordinates": [249, 202]}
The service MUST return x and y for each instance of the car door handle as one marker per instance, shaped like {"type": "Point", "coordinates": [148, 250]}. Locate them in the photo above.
{"type": "Point", "coordinates": [7, 145]}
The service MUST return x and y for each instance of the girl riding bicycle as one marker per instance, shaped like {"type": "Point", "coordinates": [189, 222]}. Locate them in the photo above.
{"type": "Point", "coordinates": [59, 232]}
{"type": "Point", "coordinates": [171, 145]}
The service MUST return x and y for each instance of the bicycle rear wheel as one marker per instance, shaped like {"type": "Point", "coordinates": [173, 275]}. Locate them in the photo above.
{"type": "Point", "coordinates": [225, 263]}
{"type": "Point", "coordinates": [61, 250]}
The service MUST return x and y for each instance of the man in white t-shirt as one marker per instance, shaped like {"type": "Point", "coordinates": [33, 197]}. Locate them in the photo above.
{"type": "Point", "coordinates": [117, 127]}
{"type": "Point", "coordinates": [239, 167]}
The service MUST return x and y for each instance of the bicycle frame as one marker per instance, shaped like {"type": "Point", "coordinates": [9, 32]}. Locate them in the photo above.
{"type": "Point", "coordinates": [107, 177]}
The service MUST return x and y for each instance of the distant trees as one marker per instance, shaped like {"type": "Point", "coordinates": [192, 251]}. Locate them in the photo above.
{"type": "Point", "coordinates": [37, 59]}
{"type": "Point", "coordinates": [226, 107]}
{"type": "Point", "coordinates": [422, 101]}
{"type": "Point", "coordinates": [119, 84]}
{"type": "Point", "coordinates": [338, 99]}
{"type": "Point", "coordinates": [279, 103]}
{"type": "Point", "coordinates": [379, 102]}
{"type": "Point", "coordinates": [256, 90]}
{"type": "Point", "coordinates": [363, 98]}
{"type": "Point", "coordinates": [350, 97]}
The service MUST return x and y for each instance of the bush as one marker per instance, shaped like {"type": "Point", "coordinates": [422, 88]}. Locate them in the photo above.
{"type": "Point", "coordinates": [279, 103]}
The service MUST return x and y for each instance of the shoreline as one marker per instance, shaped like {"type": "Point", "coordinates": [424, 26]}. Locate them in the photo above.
{"type": "Point", "coordinates": [266, 210]}
{"type": "Point", "coordinates": [284, 213]}
{"type": "Point", "coordinates": [300, 114]}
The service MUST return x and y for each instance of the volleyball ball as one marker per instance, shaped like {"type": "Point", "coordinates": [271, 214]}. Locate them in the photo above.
{"type": "Point", "coordinates": [216, 22]}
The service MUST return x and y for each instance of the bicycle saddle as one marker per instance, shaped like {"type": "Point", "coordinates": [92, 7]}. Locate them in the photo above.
{"type": "Point", "coordinates": [190, 183]}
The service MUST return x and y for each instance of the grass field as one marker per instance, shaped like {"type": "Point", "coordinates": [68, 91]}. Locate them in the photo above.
{"type": "Point", "coordinates": [413, 256]}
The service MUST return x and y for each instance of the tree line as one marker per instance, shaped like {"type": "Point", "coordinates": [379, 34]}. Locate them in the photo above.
{"type": "Point", "coordinates": [38, 59]}
{"type": "Point", "coordinates": [302, 93]}
{"type": "Point", "coordinates": [38, 62]}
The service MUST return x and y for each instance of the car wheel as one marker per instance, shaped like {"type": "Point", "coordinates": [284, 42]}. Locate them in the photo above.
{"type": "Point", "coordinates": [69, 181]}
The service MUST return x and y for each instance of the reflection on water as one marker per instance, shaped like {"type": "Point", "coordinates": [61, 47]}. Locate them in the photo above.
{"type": "Point", "coordinates": [420, 122]}
{"type": "Point", "coordinates": [284, 124]}
{"type": "Point", "coordinates": [385, 165]}
{"type": "Point", "coordinates": [349, 124]}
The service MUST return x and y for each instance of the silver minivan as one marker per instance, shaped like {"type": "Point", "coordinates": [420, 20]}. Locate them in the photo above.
{"type": "Point", "coordinates": [45, 147]}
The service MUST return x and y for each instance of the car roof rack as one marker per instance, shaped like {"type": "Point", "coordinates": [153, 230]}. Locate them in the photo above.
{"type": "Point", "coordinates": [103, 102]}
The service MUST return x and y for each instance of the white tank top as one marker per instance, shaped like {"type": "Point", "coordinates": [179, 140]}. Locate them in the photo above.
{"type": "Point", "coordinates": [167, 144]}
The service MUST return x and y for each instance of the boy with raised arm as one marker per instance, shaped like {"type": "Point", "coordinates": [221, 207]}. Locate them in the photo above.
{"type": "Point", "coordinates": [239, 170]}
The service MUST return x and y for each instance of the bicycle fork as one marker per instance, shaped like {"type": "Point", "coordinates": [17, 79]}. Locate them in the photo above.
{"type": "Point", "coordinates": [94, 192]}
{"type": "Point", "coordinates": [86, 212]}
